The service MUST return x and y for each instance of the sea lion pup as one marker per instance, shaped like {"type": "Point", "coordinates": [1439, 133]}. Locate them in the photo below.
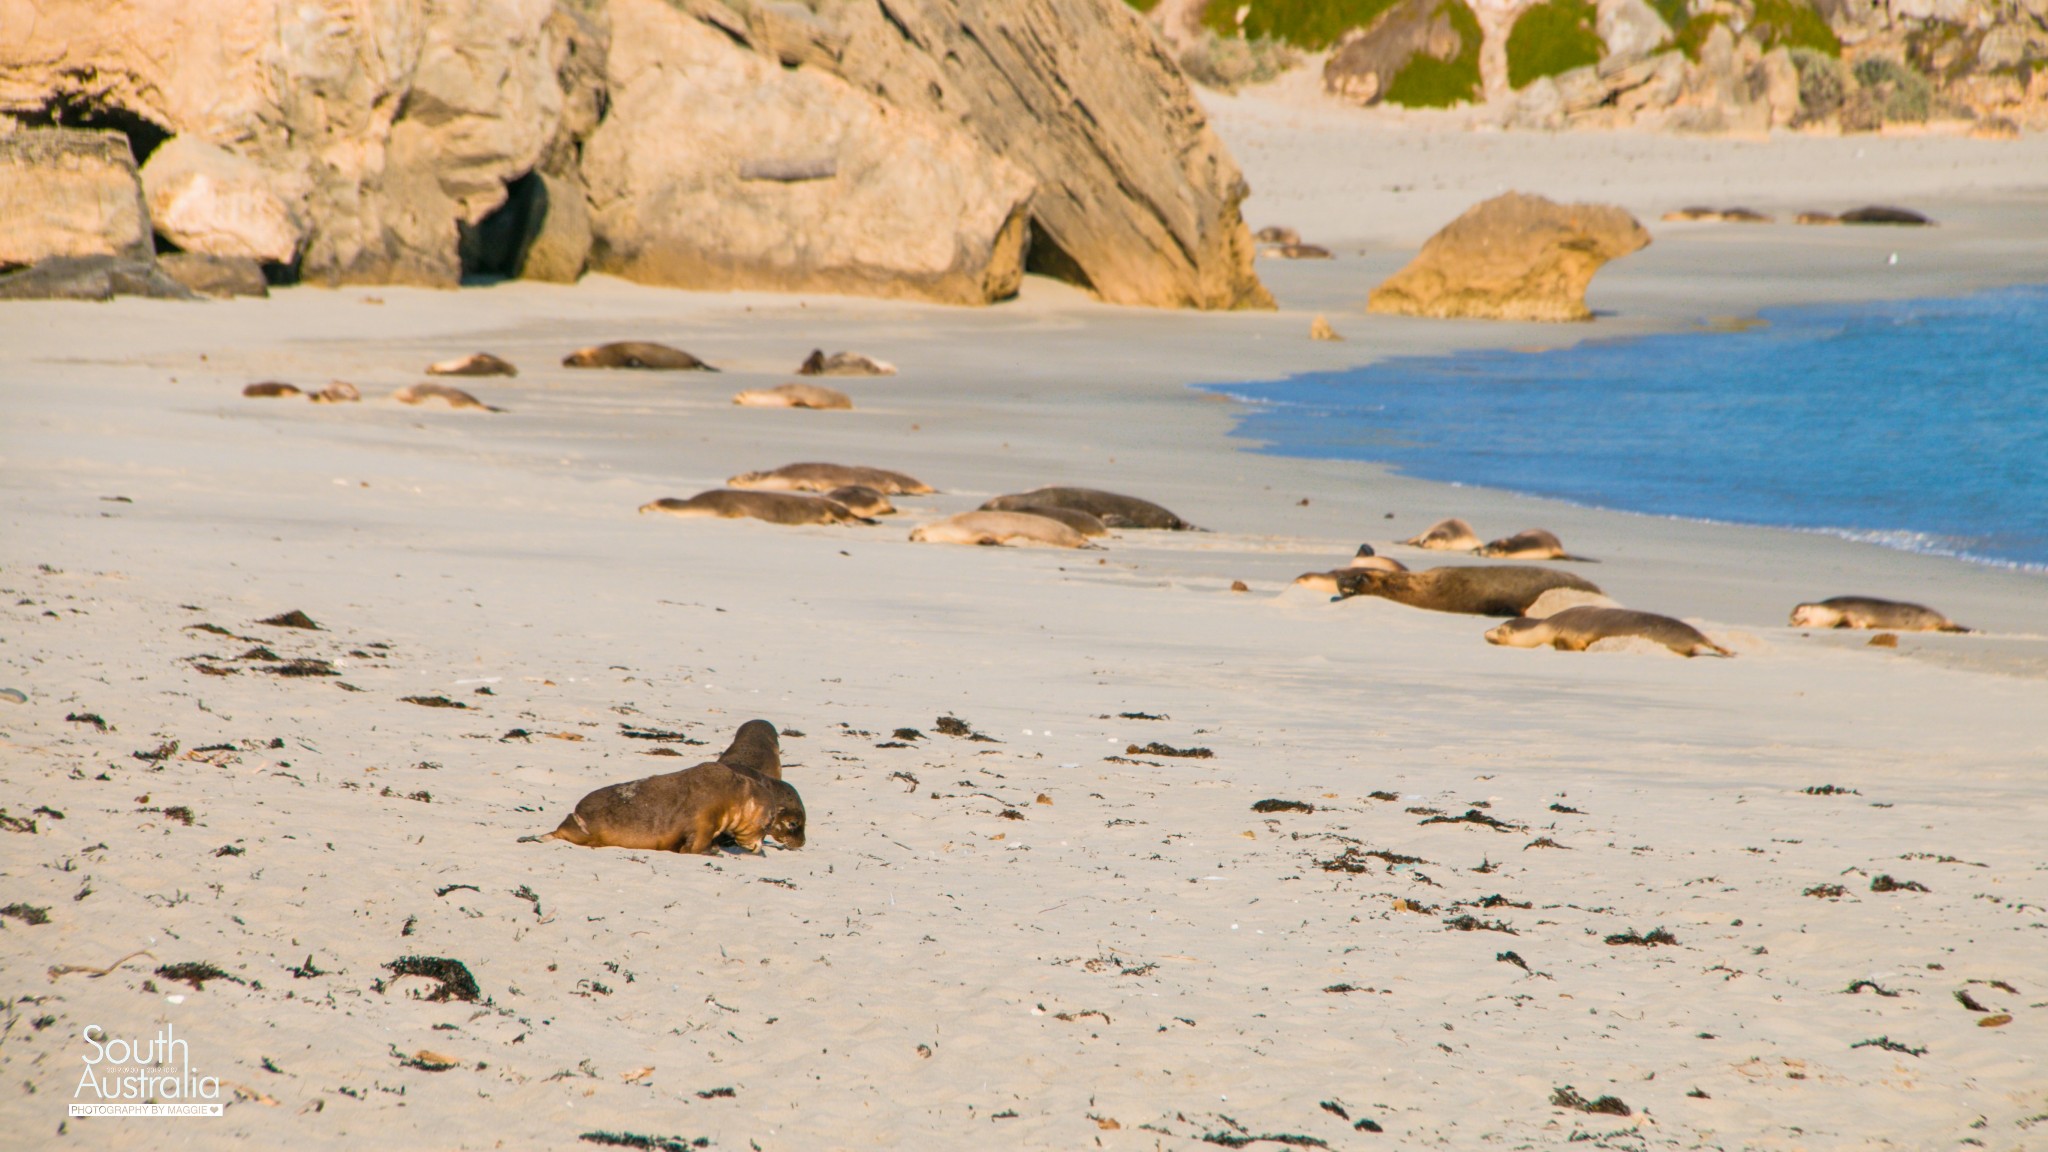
{"type": "Point", "coordinates": [1113, 510]}
{"type": "Point", "coordinates": [337, 392]}
{"type": "Point", "coordinates": [1574, 629]}
{"type": "Point", "coordinates": [814, 477]}
{"type": "Point", "coordinates": [1365, 557]}
{"type": "Point", "coordinates": [843, 364]}
{"type": "Point", "coordinates": [1453, 535]}
{"type": "Point", "coordinates": [1529, 544]}
{"type": "Point", "coordinates": [687, 811]}
{"type": "Point", "coordinates": [862, 500]}
{"type": "Point", "coordinates": [1478, 590]}
{"type": "Point", "coordinates": [984, 527]}
{"type": "Point", "coordinates": [774, 507]}
{"type": "Point", "coordinates": [474, 364]}
{"type": "Point", "coordinates": [636, 354]}
{"type": "Point", "coordinates": [755, 748]}
{"type": "Point", "coordinates": [793, 396]}
{"type": "Point", "coordinates": [270, 388]}
{"type": "Point", "coordinates": [1086, 523]}
{"type": "Point", "coordinates": [1870, 612]}
{"type": "Point", "coordinates": [429, 393]}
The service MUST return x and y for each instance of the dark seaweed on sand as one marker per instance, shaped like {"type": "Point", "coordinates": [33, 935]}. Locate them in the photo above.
{"type": "Point", "coordinates": [1475, 924]}
{"type": "Point", "coordinates": [455, 982]}
{"type": "Point", "coordinates": [433, 701]}
{"type": "Point", "coordinates": [1157, 749]}
{"type": "Point", "coordinates": [1887, 884]}
{"type": "Point", "coordinates": [1245, 1139]}
{"type": "Point", "coordinates": [303, 667]}
{"type": "Point", "coordinates": [662, 734]}
{"type": "Point", "coordinates": [1657, 936]}
{"type": "Point", "coordinates": [27, 913]}
{"type": "Point", "coordinates": [92, 718]}
{"type": "Point", "coordinates": [650, 1143]}
{"type": "Point", "coordinates": [1512, 958]}
{"type": "Point", "coordinates": [1475, 816]}
{"type": "Point", "coordinates": [1889, 1045]}
{"type": "Point", "coordinates": [197, 973]}
{"type": "Point", "coordinates": [1282, 806]}
{"type": "Point", "coordinates": [1352, 860]}
{"type": "Point", "coordinates": [1829, 790]}
{"type": "Point", "coordinates": [1567, 1097]}
{"type": "Point", "coordinates": [1825, 891]}
{"type": "Point", "coordinates": [292, 619]}
{"type": "Point", "coordinates": [952, 726]}
{"type": "Point", "coordinates": [1142, 716]}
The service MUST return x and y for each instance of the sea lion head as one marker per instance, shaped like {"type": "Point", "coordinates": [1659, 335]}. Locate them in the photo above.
{"type": "Point", "coordinates": [1815, 616]}
{"type": "Point", "coordinates": [787, 824]}
{"type": "Point", "coordinates": [1520, 632]}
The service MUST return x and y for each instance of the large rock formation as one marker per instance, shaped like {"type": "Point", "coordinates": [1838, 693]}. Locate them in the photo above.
{"type": "Point", "coordinates": [69, 193]}
{"type": "Point", "coordinates": [1514, 257]}
{"type": "Point", "coordinates": [414, 141]}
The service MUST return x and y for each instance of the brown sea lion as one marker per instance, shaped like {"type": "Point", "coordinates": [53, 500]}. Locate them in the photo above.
{"type": "Point", "coordinates": [1277, 234]}
{"type": "Point", "coordinates": [337, 392]}
{"type": "Point", "coordinates": [441, 393]}
{"type": "Point", "coordinates": [1687, 215]}
{"type": "Point", "coordinates": [755, 748]}
{"type": "Point", "coordinates": [1086, 523]}
{"type": "Point", "coordinates": [1870, 612]}
{"type": "Point", "coordinates": [1817, 218]}
{"type": "Point", "coordinates": [687, 811]}
{"type": "Point", "coordinates": [843, 364]}
{"type": "Point", "coordinates": [1479, 590]}
{"type": "Point", "coordinates": [813, 477]}
{"type": "Point", "coordinates": [474, 364]}
{"type": "Point", "coordinates": [1114, 510]}
{"type": "Point", "coordinates": [774, 507]}
{"type": "Point", "coordinates": [999, 528]}
{"type": "Point", "coordinates": [1528, 544]}
{"type": "Point", "coordinates": [636, 354]}
{"type": "Point", "coordinates": [1299, 252]}
{"type": "Point", "coordinates": [1453, 535]}
{"type": "Point", "coordinates": [270, 388]}
{"type": "Point", "coordinates": [1574, 629]}
{"type": "Point", "coordinates": [862, 500]}
{"type": "Point", "coordinates": [1881, 214]}
{"type": "Point", "coordinates": [793, 396]}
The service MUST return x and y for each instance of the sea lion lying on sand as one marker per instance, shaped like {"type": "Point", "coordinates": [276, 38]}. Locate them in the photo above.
{"type": "Point", "coordinates": [862, 500]}
{"type": "Point", "coordinates": [441, 393]}
{"type": "Point", "coordinates": [1086, 523]}
{"type": "Point", "coordinates": [1277, 234]}
{"type": "Point", "coordinates": [1453, 535]}
{"type": "Point", "coordinates": [774, 507]}
{"type": "Point", "coordinates": [1574, 629]}
{"type": "Point", "coordinates": [1478, 590]}
{"type": "Point", "coordinates": [999, 528]}
{"type": "Point", "coordinates": [793, 396]}
{"type": "Point", "coordinates": [475, 364]}
{"type": "Point", "coordinates": [271, 388]}
{"type": "Point", "coordinates": [1870, 612]}
{"type": "Point", "coordinates": [1113, 510]}
{"type": "Point", "coordinates": [1528, 544]}
{"type": "Point", "coordinates": [636, 354]}
{"type": "Point", "coordinates": [687, 811]}
{"type": "Point", "coordinates": [337, 392]}
{"type": "Point", "coordinates": [812, 477]}
{"type": "Point", "coordinates": [843, 364]}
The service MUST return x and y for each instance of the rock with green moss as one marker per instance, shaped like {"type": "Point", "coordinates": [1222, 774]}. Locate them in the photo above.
{"type": "Point", "coordinates": [1311, 24]}
{"type": "Point", "coordinates": [1552, 38]}
{"type": "Point", "coordinates": [1418, 54]}
{"type": "Point", "coordinates": [1792, 24]}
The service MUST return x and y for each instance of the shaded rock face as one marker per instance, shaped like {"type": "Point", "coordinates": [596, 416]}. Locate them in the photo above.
{"type": "Point", "coordinates": [91, 278]}
{"type": "Point", "coordinates": [67, 192]}
{"type": "Point", "coordinates": [1514, 257]}
{"type": "Point", "coordinates": [1365, 65]}
{"type": "Point", "coordinates": [409, 141]}
{"type": "Point", "coordinates": [786, 178]}
{"type": "Point", "coordinates": [220, 276]}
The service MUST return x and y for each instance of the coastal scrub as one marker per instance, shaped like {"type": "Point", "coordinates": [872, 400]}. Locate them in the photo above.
{"type": "Point", "coordinates": [1553, 37]}
{"type": "Point", "coordinates": [1428, 82]}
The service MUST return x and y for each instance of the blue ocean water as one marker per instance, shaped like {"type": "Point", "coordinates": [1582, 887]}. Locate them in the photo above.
{"type": "Point", "coordinates": [1920, 424]}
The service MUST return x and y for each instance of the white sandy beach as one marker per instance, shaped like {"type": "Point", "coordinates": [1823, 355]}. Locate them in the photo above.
{"type": "Point", "coordinates": [1141, 960]}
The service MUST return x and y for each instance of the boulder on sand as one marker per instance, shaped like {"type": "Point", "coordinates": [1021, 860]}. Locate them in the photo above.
{"type": "Point", "coordinates": [208, 200]}
{"type": "Point", "coordinates": [1514, 257]}
{"type": "Point", "coordinates": [69, 192]}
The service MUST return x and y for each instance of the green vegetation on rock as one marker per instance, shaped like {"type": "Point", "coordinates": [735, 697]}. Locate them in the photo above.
{"type": "Point", "coordinates": [1311, 24]}
{"type": "Point", "coordinates": [1143, 5]}
{"type": "Point", "coordinates": [1823, 85]}
{"type": "Point", "coordinates": [1697, 28]}
{"type": "Point", "coordinates": [1427, 82]}
{"type": "Point", "coordinates": [1553, 37]}
{"type": "Point", "coordinates": [1901, 95]}
{"type": "Point", "coordinates": [1793, 24]}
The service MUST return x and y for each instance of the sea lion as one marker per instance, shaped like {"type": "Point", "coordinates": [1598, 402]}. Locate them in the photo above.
{"type": "Point", "coordinates": [337, 392]}
{"type": "Point", "coordinates": [687, 811]}
{"type": "Point", "coordinates": [1277, 234]}
{"type": "Point", "coordinates": [1453, 535]}
{"type": "Point", "coordinates": [843, 364]}
{"type": "Point", "coordinates": [1558, 599]}
{"type": "Point", "coordinates": [774, 507]}
{"type": "Point", "coordinates": [814, 477]}
{"type": "Point", "coordinates": [1480, 590]}
{"type": "Point", "coordinates": [862, 500]}
{"type": "Point", "coordinates": [1882, 214]}
{"type": "Point", "coordinates": [1816, 218]}
{"type": "Point", "coordinates": [1528, 544]}
{"type": "Point", "coordinates": [269, 388]}
{"type": "Point", "coordinates": [1870, 612]}
{"type": "Point", "coordinates": [1086, 523]}
{"type": "Point", "coordinates": [474, 364]}
{"type": "Point", "coordinates": [755, 748]}
{"type": "Point", "coordinates": [636, 354]}
{"type": "Point", "coordinates": [983, 527]}
{"type": "Point", "coordinates": [1574, 629]}
{"type": "Point", "coordinates": [1299, 252]}
{"type": "Point", "coordinates": [452, 397]}
{"type": "Point", "coordinates": [1688, 215]}
{"type": "Point", "coordinates": [1112, 509]}
{"type": "Point", "coordinates": [793, 396]}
